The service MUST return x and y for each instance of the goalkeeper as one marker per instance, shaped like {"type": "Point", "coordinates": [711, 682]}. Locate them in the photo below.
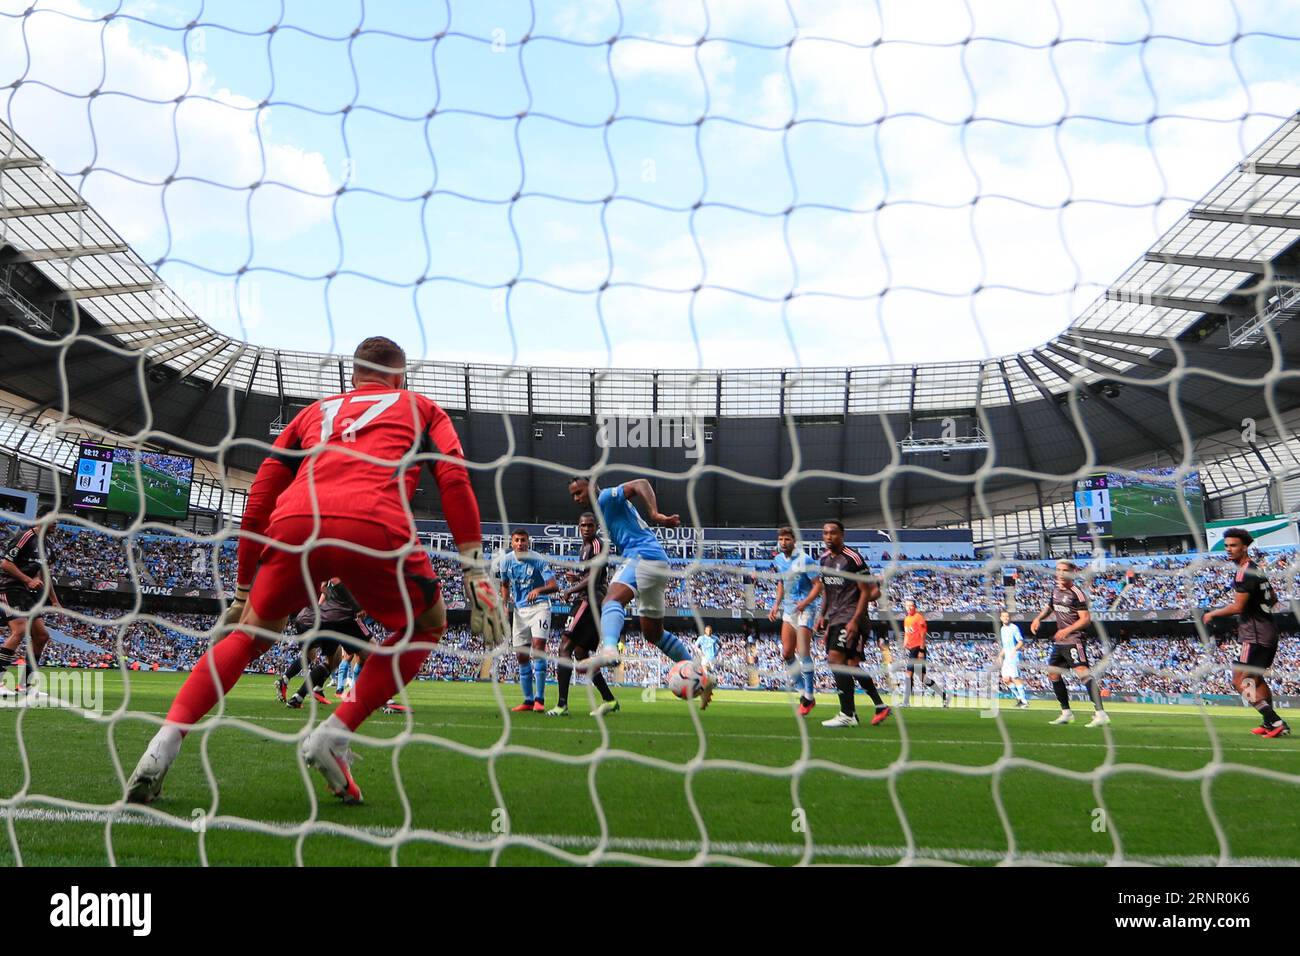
{"type": "Point", "coordinates": [333, 500]}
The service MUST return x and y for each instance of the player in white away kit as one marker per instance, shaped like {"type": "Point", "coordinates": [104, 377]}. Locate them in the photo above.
{"type": "Point", "coordinates": [1013, 642]}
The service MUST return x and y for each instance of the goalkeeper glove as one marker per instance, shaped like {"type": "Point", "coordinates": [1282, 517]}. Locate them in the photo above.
{"type": "Point", "coordinates": [482, 598]}
{"type": "Point", "coordinates": [236, 610]}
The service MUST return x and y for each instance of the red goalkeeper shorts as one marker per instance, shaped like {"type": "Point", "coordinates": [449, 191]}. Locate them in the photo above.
{"type": "Point", "coordinates": [392, 589]}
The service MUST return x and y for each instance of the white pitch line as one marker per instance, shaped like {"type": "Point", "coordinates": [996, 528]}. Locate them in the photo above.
{"type": "Point", "coordinates": [476, 691]}
{"type": "Point", "coordinates": [914, 741]}
{"type": "Point", "coordinates": [578, 842]}
{"type": "Point", "coordinates": [1007, 706]}
{"type": "Point", "coordinates": [1216, 712]}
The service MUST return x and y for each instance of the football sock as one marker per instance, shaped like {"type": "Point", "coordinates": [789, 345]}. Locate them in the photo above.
{"type": "Point", "coordinates": [199, 693]}
{"type": "Point", "coordinates": [1266, 711]}
{"type": "Point", "coordinates": [7, 658]}
{"type": "Point", "coordinates": [869, 685]}
{"type": "Point", "coordinates": [1094, 692]}
{"type": "Point", "coordinates": [598, 682]}
{"type": "Point", "coordinates": [294, 668]}
{"type": "Point", "coordinates": [844, 685]}
{"type": "Point", "coordinates": [539, 678]}
{"type": "Point", "coordinates": [377, 684]}
{"type": "Point", "coordinates": [809, 676]}
{"type": "Point", "coordinates": [1062, 692]}
{"type": "Point", "coordinates": [316, 676]}
{"type": "Point", "coordinates": [1019, 691]}
{"type": "Point", "coordinates": [671, 645]}
{"type": "Point", "coordinates": [563, 674]}
{"type": "Point", "coordinates": [526, 680]}
{"type": "Point", "coordinates": [612, 616]}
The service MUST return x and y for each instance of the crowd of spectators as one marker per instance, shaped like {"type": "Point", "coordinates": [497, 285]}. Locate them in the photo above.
{"type": "Point", "coordinates": [91, 555]}
{"type": "Point", "coordinates": [964, 663]}
{"type": "Point", "coordinates": [176, 466]}
{"type": "Point", "coordinates": [171, 641]}
{"type": "Point", "coordinates": [1163, 583]}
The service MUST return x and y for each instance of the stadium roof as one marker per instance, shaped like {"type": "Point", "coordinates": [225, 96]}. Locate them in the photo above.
{"type": "Point", "coordinates": [1209, 298]}
{"type": "Point", "coordinates": [1210, 262]}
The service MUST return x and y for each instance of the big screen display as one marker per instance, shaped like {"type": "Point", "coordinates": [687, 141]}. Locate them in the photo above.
{"type": "Point", "coordinates": [105, 480]}
{"type": "Point", "coordinates": [1143, 504]}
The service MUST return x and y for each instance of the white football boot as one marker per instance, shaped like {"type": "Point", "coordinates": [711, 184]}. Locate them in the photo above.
{"type": "Point", "coordinates": [841, 720]}
{"type": "Point", "coordinates": [326, 748]}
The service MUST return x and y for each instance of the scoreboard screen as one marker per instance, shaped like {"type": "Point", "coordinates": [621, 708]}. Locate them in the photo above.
{"type": "Point", "coordinates": [1140, 504]}
{"type": "Point", "coordinates": [106, 479]}
{"type": "Point", "coordinates": [1092, 506]}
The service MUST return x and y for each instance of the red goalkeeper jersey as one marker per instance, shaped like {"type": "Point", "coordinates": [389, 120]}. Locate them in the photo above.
{"type": "Point", "coordinates": [350, 456]}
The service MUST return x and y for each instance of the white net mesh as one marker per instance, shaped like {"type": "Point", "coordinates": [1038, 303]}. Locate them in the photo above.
{"type": "Point", "coordinates": [870, 217]}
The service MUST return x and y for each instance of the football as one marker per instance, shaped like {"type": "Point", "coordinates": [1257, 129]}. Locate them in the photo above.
{"type": "Point", "coordinates": [685, 679]}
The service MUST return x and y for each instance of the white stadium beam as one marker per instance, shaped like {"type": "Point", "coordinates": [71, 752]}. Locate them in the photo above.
{"type": "Point", "coordinates": [1177, 302]}
{"type": "Point", "coordinates": [50, 209]}
{"type": "Point", "coordinates": [103, 291]}
{"type": "Point", "coordinates": [70, 252]}
{"type": "Point", "coordinates": [1257, 219]}
{"type": "Point", "coordinates": [1256, 266]}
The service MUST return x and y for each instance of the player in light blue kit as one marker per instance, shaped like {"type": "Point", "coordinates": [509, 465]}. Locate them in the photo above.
{"type": "Point", "coordinates": [643, 575]}
{"type": "Point", "coordinates": [793, 607]}
{"type": "Point", "coordinates": [527, 579]}
{"type": "Point", "coordinates": [708, 645]}
{"type": "Point", "coordinates": [1009, 657]}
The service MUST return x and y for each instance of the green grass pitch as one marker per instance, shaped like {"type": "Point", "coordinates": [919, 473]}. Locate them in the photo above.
{"type": "Point", "coordinates": [739, 778]}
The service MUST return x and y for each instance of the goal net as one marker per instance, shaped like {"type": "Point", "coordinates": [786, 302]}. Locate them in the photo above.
{"type": "Point", "coordinates": [984, 285]}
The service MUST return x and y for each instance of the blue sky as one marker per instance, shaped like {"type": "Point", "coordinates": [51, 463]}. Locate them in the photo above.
{"type": "Point", "coordinates": [883, 255]}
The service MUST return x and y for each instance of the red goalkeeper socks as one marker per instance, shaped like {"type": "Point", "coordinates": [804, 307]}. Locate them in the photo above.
{"type": "Point", "coordinates": [377, 683]}
{"type": "Point", "coordinates": [199, 694]}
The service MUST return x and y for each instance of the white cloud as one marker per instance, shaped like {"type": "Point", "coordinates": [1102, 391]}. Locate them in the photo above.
{"type": "Point", "coordinates": [137, 131]}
